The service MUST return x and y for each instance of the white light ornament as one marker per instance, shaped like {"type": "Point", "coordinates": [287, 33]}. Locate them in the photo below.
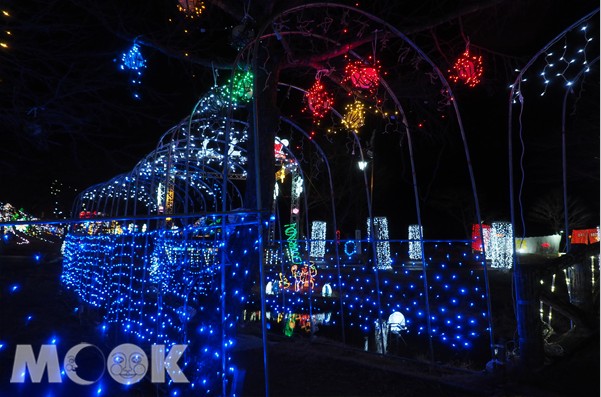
{"type": "Point", "coordinates": [318, 240]}
{"type": "Point", "coordinates": [415, 247]}
{"type": "Point", "coordinates": [382, 241]}
{"type": "Point", "coordinates": [161, 197]}
{"type": "Point", "coordinates": [297, 186]}
{"type": "Point", "coordinates": [564, 63]}
{"type": "Point", "coordinates": [501, 245]}
{"type": "Point", "coordinates": [487, 233]}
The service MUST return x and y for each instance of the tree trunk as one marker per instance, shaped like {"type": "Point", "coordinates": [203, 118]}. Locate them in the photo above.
{"type": "Point", "coordinates": [265, 121]}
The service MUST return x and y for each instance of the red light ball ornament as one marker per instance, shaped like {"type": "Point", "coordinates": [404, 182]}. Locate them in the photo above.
{"type": "Point", "coordinates": [319, 101]}
{"type": "Point", "coordinates": [362, 76]}
{"type": "Point", "coordinates": [467, 68]}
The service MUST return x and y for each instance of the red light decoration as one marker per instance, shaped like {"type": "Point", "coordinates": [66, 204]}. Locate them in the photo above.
{"type": "Point", "coordinates": [319, 101]}
{"type": "Point", "coordinates": [362, 76]}
{"type": "Point", "coordinates": [477, 239]}
{"type": "Point", "coordinates": [88, 214]}
{"type": "Point", "coordinates": [467, 68]}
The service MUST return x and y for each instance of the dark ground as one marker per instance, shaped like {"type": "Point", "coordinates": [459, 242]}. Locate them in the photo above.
{"type": "Point", "coordinates": [297, 366]}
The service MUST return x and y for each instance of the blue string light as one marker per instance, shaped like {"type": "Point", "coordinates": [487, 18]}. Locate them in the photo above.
{"type": "Point", "coordinates": [133, 62]}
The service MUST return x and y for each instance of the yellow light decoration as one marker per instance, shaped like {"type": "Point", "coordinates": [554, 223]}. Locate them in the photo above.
{"type": "Point", "coordinates": [354, 118]}
{"type": "Point", "coordinates": [191, 8]}
{"type": "Point", "coordinates": [281, 174]}
{"type": "Point", "coordinates": [169, 201]}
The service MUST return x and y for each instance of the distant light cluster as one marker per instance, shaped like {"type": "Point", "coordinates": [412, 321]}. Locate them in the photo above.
{"type": "Point", "coordinates": [191, 8]}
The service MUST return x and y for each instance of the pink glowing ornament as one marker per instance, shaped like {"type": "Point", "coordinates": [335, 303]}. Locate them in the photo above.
{"type": "Point", "coordinates": [319, 101]}
{"type": "Point", "coordinates": [362, 76]}
{"type": "Point", "coordinates": [467, 68]}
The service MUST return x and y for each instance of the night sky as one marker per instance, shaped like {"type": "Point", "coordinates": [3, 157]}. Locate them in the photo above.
{"type": "Point", "coordinates": [67, 112]}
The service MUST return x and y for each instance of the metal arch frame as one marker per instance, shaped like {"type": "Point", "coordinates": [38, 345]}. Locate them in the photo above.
{"type": "Point", "coordinates": [516, 89]}
{"type": "Point", "coordinates": [254, 46]}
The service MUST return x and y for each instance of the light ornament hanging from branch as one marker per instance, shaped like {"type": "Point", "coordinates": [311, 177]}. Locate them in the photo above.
{"type": "Point", "coordinates": [191, 8]}
{"type": "Point", "coordinates": [467, 68]}
{"type": "Point", "coordinates": [240, 87]}
{"type": "Point", "coordinates": [362, 76]}
{"type": "Point", "coordinates": [319, 101]}
{"type": "Point", "coordinates": [133, 59]}
{"type": "Point", "coordinates": [134, 62]}
{"type": "Point", "coordinates": [354, 117]}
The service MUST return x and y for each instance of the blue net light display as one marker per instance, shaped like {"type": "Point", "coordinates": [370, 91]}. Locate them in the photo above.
{"type": "Point", "coordinates": [456, 290]}
{"type": "Point", "coordinates": [158, 278]}
{"type": "Point", "coordinates": [134, 63]}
